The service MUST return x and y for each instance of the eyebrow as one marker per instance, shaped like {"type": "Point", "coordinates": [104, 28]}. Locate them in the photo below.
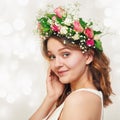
{"type": "Point", "coordinates": [60, 49]}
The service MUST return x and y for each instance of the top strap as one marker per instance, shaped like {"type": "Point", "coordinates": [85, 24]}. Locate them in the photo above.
{"type": "Point", "coordinates": [98, 93]}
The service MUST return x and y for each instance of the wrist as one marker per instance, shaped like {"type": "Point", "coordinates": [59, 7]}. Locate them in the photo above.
{"type": "Point", "coordinates": [51, 99]}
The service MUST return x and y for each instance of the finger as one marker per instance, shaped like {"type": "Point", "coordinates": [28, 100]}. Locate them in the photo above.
{"type": "Point", "coordinates": [48, 72]}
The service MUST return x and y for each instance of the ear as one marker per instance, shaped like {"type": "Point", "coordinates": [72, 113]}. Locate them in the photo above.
{"type": "Point", "coordinates": [89, 58]}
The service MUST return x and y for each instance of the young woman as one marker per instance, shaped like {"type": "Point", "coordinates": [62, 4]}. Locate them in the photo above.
{"type": "Point", "coordinates": [78, 83]}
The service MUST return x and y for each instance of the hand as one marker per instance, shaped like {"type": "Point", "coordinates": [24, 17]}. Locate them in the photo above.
{"type": "Point", "coordinates": [54, 86]}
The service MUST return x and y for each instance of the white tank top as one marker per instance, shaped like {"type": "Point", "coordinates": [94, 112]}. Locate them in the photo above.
{"type": "Point", "coordinates": [55, 115]}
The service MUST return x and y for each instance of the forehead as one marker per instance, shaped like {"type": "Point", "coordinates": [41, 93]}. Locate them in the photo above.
{"type": "Point", "coordinates": [55, 44]}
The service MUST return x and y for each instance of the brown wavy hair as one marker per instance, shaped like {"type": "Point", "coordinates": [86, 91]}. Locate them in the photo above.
{"type": "Point", "coordinates": [99, 68]}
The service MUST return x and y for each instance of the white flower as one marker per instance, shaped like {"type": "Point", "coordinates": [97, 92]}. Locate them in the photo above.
{"type": "Point", "coordinates": [63, 30]}
{"type": "Point", "coordinates": [76, 36]}
{"type": "Point", "coordinates": [68, 21]}
{"type": "Point", "coordinates": [50, 21]}
{"type": "Point", "coordinates": [96, 37]}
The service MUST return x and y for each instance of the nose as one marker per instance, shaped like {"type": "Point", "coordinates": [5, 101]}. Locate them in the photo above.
{"type": "Point", "coordinates": [58, 62]}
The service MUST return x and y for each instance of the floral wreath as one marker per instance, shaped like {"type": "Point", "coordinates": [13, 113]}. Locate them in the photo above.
{"type": "Point", "coordinates": [62, 24]}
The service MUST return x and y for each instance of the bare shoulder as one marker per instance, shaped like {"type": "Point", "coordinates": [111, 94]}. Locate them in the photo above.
{"type": "Point", "coordinates": [83, 98]}
{"type": "Point", "coordinates": [82, 105]}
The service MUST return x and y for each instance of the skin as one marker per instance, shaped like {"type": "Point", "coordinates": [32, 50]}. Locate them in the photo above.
{"type": "Point", "coordinates": [69, 66]}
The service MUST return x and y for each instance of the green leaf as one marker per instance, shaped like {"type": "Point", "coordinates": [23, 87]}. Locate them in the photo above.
{"type": "Point", "coordinates": [71, 32]}
{"type": "Point", "coordinates": [59, 20]}
{"type": "Point", "coordinates": [97, 32]}
{"type": "Point", "coordinates": [46, 29]}
{"type": "Point", "coordinates": [90, 24]}
{"type": "Point", "coordinates": [43, 19]}
{"type": "Point", "coordinates": [50, 15]}
{"type": "Point", "coordinates": [44, 23]}
{"type": "Point", "coordinates": [83, 23]}
{"type": "Point", "coordinates": [98, 45]}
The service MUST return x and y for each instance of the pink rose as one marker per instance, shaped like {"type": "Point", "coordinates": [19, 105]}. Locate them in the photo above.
{"type": "Point", "coordinates": [55, 28]}
{"type": "Point", "coordinates": [59, 12]}
{"type": "Point", "coordinates": [77, 26]}
{"type": "Point", "coordinates": [89, 33]}
{"type": "Point", "coordinates": [90, 42]}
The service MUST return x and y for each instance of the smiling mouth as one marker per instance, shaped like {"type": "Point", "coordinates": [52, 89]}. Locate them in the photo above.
{"type": "Point", "coordinates": [62, 73]}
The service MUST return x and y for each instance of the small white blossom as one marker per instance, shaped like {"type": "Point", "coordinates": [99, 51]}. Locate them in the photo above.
{"type": "Point", "coordinates": [76, 36]}
{"type": "Point", "coordinates": [63, 30]}
{"type": "Point", "coordinates": [75, 17]}
{"type": "Point", "coordinates": [50, 21]}
{"type": "Point", "coordinates": [68, 21]}
{"type": "Point", "coordinates": [96, 37]}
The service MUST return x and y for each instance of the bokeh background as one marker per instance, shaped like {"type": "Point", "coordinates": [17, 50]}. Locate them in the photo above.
{"type": "Point", "coordinates": [22, 67]}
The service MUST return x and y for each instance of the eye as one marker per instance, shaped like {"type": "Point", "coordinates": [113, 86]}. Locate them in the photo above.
{"type": "Point", "coordinates": [51, 57]}
{"type": "Point", "coordinates": [66, 54]}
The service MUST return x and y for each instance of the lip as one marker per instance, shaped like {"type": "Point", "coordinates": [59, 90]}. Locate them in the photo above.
{"type": "Point", "coordinates": [62, 72]}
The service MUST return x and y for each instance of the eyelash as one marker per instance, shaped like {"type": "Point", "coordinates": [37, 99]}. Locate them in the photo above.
{"type": "Point", "coordinates": [51, 57]}
{"type": "Point", "coordinates": [65, 54]}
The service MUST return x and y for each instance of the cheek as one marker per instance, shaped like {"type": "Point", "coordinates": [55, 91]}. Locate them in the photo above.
{"type": "Point", "coordinates": [51, 65]}
{"type": "Point", "coordinates": [77, 68]}
{"type": "Point", "coordinates": [72, 63]}
{"type": "Point", "coordinates": [76, 62]}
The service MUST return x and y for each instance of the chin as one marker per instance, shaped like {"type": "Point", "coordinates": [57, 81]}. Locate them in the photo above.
{"type": "Point", "coordinates": [64, 80]}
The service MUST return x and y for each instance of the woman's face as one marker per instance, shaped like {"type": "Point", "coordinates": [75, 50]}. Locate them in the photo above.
{"type": "Point", "coordinates": [68, 64]}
